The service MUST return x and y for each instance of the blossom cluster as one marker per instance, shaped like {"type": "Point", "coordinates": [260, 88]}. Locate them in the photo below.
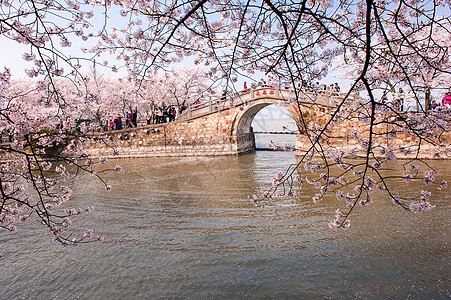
{"type": "Point", "coordinates": [376, 45]}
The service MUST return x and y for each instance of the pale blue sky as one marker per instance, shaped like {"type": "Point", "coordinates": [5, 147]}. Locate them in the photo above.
{"type": "Point", "coordinates": [11, 55]}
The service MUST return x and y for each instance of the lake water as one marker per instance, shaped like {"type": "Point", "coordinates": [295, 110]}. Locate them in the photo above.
{"type": "Point", "coordinates": [184, 228]}
{"type": "Point", "coordinates": [274, 118]}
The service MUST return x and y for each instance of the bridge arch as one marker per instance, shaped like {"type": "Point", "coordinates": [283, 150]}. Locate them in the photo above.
{"type": "Point", "coordinates": [243, 120]}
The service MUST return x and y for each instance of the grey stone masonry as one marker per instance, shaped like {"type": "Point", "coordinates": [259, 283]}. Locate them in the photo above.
{"type": "Point", "coordinates": [223, 127]}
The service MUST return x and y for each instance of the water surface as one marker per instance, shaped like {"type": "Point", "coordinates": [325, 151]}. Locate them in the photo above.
{"type": "Point", "coordinates": [184, 228]}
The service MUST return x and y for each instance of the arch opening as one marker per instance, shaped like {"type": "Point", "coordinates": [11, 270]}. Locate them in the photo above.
{"type": "Point", "coordinates": [243, 123]}
{"type": "Point", "coordinates": [273, 126]}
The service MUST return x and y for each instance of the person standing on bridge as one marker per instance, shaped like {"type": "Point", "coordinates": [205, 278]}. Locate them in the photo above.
{"type": "Point", "coordinates": [434, 105]}
{"type": "Point", "coordinates": [160, 115]}
{"type": "Point", "coordinates": [148, 118]}
{"type": "Point", "coordinates": [129, 120]}
{"type": "Point", "coordinates": [171, 113]}
{"type": "Point", "coordinates": [182, 108]}
{"type": "Point", "coordinates": [399, 101]}
{"type": "Point", "coordinates": [118, 122]}
{"type": "Point", "coordinates": [224, 94]}
{"type": "Point", "coordinates": [134, 116]}
{"type": "Point", "coordinates": [384, 98]}
{"type": "Point", "coordinates": [245, 86]}
{"type": "Point", "coordinates": [270, 81]}
{"type": "Point", "coordinates": [337, 89]}
{"type": "Point", "coordinates": [446, 101]}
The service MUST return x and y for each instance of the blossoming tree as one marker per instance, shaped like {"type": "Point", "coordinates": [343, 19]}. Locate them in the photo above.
{"type": "Point", "coordinates": [398, 44]}
{"type": "Point", "coordinates": [405, 41]}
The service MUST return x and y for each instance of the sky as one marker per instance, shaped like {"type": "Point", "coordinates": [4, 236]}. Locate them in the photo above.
{"type": "Point", "coordinates": [11, 52]}
{"type": "Point", "coordinates": [11, 56]}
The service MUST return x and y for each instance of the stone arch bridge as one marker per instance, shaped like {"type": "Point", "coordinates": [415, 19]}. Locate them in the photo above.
{"type": "Point", "coordinates": [216, 127]}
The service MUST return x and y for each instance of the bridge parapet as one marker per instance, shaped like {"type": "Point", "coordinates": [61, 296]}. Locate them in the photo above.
{"type": "Point", "coordinates": [230, 131]}
{"type": "Point", "coordinates": [285, 95]}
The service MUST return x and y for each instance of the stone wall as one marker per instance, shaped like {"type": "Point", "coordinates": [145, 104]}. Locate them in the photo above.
{"type": "Point", "coordinates": [229, 132]}
{"type": "Point", "coordinates": [342, 138]}
{"type": "Point", "coordinates": [209, 135]}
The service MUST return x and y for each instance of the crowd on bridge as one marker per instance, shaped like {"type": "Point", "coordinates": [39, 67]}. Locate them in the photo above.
{"type": "Point", "coordinates": [399, 101]}
{"type": "Point", "coordinates": [400, 98]}
{"type": "Point", "coordinates": [310, 86]}
{"type": "Point", "coordinates": [158, 115]}
{"type": "Point", "coordinates": [163, 114]}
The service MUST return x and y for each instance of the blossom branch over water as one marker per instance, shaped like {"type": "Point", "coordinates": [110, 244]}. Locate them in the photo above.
{"type": "Point", "coordinates": [378, 45]}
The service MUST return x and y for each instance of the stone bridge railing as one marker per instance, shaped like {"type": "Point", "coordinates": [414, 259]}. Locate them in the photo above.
{"type": "Point", "coordinates": [326, 98]}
